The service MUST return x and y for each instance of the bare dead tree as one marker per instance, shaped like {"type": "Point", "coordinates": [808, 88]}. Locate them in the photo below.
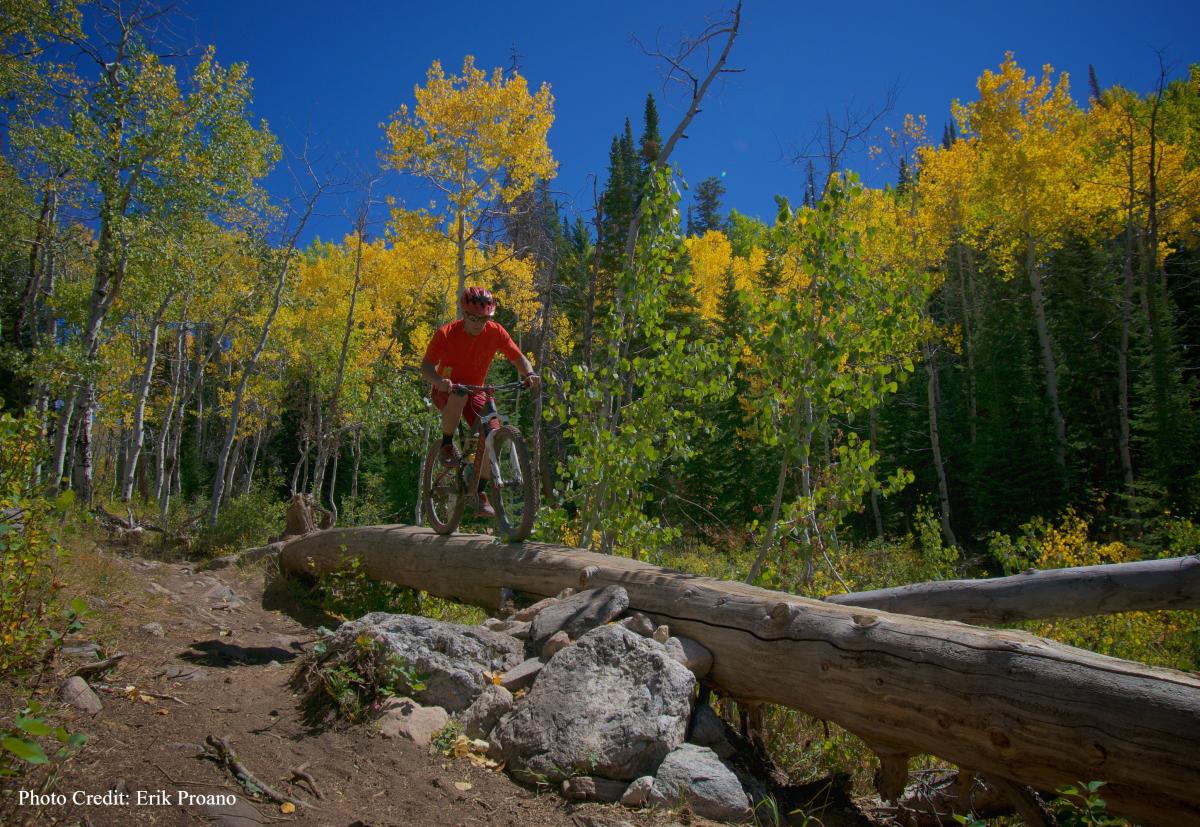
{"type": "Point", "coordinates": [832, 140]}
{"type": "Point", "coordinates": [679, 62]}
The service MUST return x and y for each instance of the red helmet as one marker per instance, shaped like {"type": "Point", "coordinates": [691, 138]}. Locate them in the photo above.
{"type": "Point", "coordinates": [478, 300]}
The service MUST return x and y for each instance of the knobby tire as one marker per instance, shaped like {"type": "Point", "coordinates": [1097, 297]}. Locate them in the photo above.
{"type": "Point", "coordinates": [443, 493]}
{"type": "Point", "coordinates": [516, 504]}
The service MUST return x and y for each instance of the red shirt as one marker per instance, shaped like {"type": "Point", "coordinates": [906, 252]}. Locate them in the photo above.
{"type": "Point", "coordinates": [464, 358]}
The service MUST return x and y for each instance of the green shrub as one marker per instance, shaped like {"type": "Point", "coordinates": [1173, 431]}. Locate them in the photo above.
{"type": "Point", "coordinates": [351, 593]}
{"type": "Point", "coordinates": [1080, 805]}
{"type": "Point", "coordinates": [245, 521]}
{"type": "Point", "coordinates": [28, 549]}
{"type": "Point", "coordinates": [353, 681]}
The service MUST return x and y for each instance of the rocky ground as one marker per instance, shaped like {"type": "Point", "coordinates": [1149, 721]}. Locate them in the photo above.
{"type": "Point", "coordinates": [210, 654]}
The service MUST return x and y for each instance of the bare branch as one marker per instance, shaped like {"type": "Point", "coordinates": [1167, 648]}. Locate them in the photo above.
{"type": "Point", "coordinates": [832, 140]}
{"type": "Point", "coordinates": [728, 29]}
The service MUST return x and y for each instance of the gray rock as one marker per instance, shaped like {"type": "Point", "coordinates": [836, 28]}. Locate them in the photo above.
{"type": "Point", "coordinates": [225, 562]}
{"type": "Point", "coordinates": [708, 730]}
{"type": "Point", "coordinates": [691, 654]}
{"type": "Point", "coordinates": [454, 658]}
{"type": "Point", "coordinates": [578, 613]}
{"type": "Point", "coordinates": [638, 792]}
{"type": "Point", "coordinates": [88, 651]}
{"type": "Point", "coordinates": [590, 788]}
{"type": "Point", "coordinates": [178, 672]}
{"type": "Point", "coordinates": [639, 623]}
{"type": "Point", "coordinates": [555, 643]}
{"type": "Point", "coordinates": [222, 593]}
{"type": "Point", "coordinates": [78, 694]}
{"type": "Point", "coordinates": [404, 718]}
{"type": "Point", "coordinates": [155, 629]}
{"type": "Point", "coordinates": [704, 781]}
{"type": "Point", "coordinates": [513, 628]}
{"type": "Point", "coordinates": [530, 612]}
{"type": "Point", "coordinates": [480, 717]}
{"type": "Point", "coordinates": [612, 705]}
{"type": "Point", "coordinates": [521, 676]}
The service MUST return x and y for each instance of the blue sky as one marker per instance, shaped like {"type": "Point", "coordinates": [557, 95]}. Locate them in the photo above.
{"type": "Point", "coordinates": [337, 70]}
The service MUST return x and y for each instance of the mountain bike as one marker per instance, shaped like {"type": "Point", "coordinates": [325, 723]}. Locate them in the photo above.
{"type": "Point", "coordinates": [446, 491]}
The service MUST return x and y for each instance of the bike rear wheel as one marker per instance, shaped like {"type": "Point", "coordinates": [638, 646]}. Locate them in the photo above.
{"type": "Point", "coordinates": [443, 492]}
{"type": "Point", "coordinates": [516, 497]}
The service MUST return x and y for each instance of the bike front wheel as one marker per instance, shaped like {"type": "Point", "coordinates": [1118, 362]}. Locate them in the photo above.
{"type": "Point", "coordinates": [443, 492]}
{"type": "Point", "coordinates": [516, 495]}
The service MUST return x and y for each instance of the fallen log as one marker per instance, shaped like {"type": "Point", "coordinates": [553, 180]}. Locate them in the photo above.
{"type": "Point", "coordinates": [1003, 703]}
{"type": "Point", "coordinates": [1082, 591]}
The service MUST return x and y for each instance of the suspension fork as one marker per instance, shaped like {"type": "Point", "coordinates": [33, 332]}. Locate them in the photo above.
{"type": "Point", "coordinates": [488, 448]}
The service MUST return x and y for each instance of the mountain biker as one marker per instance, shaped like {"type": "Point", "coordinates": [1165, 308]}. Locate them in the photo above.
{"type": "Point", "coordinates": [461, 353]}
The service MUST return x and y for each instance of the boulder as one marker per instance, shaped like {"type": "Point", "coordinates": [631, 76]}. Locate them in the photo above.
{"type": "Point", "coordinates": [530, 612]}
{"type": "Point", "coordinates": [691, 654]}
{"type": "Point", "coordinates": [579, 613]}
{"type": "Point", "coordinates": [522, 675]}
{"type": "Point", "coordinates": [638, 793]}
{"type": "Point", "coordinates": [613, 705]}
{"type": "Point", "coordinates": [555, 643]}
{"type": "Point", "coordinates": [638, 622]}
{"type": "Point", "coordinates": [708, 730]}
{"type": "Point", "coordinates": [404, 718]}
{"type": "Point", "coordinates": [480, 717]}
{"type": "Point", "coordinates": [707, 784]}
{"type": "Point", "coordinates": [513, 628]}
{"type": "Point", "coordinates": [453, 658]}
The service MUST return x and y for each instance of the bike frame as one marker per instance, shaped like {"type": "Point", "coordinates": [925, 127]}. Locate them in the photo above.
{"type": "Point", "coordinates": [484, 448]}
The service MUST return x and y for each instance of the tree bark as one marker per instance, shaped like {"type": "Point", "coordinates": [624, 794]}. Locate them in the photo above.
{"type": "Point", "coordinates": [966, 282]}
{"type": "Point", "coordinates": [162, 475]}
{"type": "Point", "coordinates": [933, 396]}
{"type": "Point", "coordinates": [1049, 366]}
{"type": "Point", "coordinates": [61, 441]}
{"type": "Point", "coordinates": [1082, 591]}
{"type": "Point", "coordinates": [776, 505]}
{"type": "Point", "coordinates": [1003, 703]}
{"type": "Point", "coordinates": [876, 511]}
{"type": "Point", "coordinates": [137, 434]}
{"type": "Point", "coordinates": [356, 445]}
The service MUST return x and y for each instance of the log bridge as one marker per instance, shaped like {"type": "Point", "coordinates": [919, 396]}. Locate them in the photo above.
{"type": "Point", "coordinates": [1002, 703]}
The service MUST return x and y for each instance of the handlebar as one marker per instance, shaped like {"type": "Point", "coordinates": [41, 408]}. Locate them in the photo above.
{"type": "Point", "coordinates": [463, 390]}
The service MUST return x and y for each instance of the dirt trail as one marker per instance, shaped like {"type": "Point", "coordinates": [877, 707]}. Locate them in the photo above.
{"type": "Point", "coordinates": [225, 648]}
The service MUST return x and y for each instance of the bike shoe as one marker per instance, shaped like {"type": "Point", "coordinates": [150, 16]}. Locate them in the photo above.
{"type": "Point", "coordinates": [450, 455]}
{"type": "Point", "coordinates": [484, 509]}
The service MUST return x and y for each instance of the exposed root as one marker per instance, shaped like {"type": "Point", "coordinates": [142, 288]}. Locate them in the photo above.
{"type": "Point", "coordinates": [222, 754]}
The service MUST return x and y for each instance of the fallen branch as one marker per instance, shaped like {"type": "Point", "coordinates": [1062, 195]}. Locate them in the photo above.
{"type": "Point", "coordinates": [223, 755]}
{"type": "Point", "coordinates": [98, 667]}
{"type": "Point", "coordinates": [124, 690]}
{"type": "Point", "coordinates": [299, 774]}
